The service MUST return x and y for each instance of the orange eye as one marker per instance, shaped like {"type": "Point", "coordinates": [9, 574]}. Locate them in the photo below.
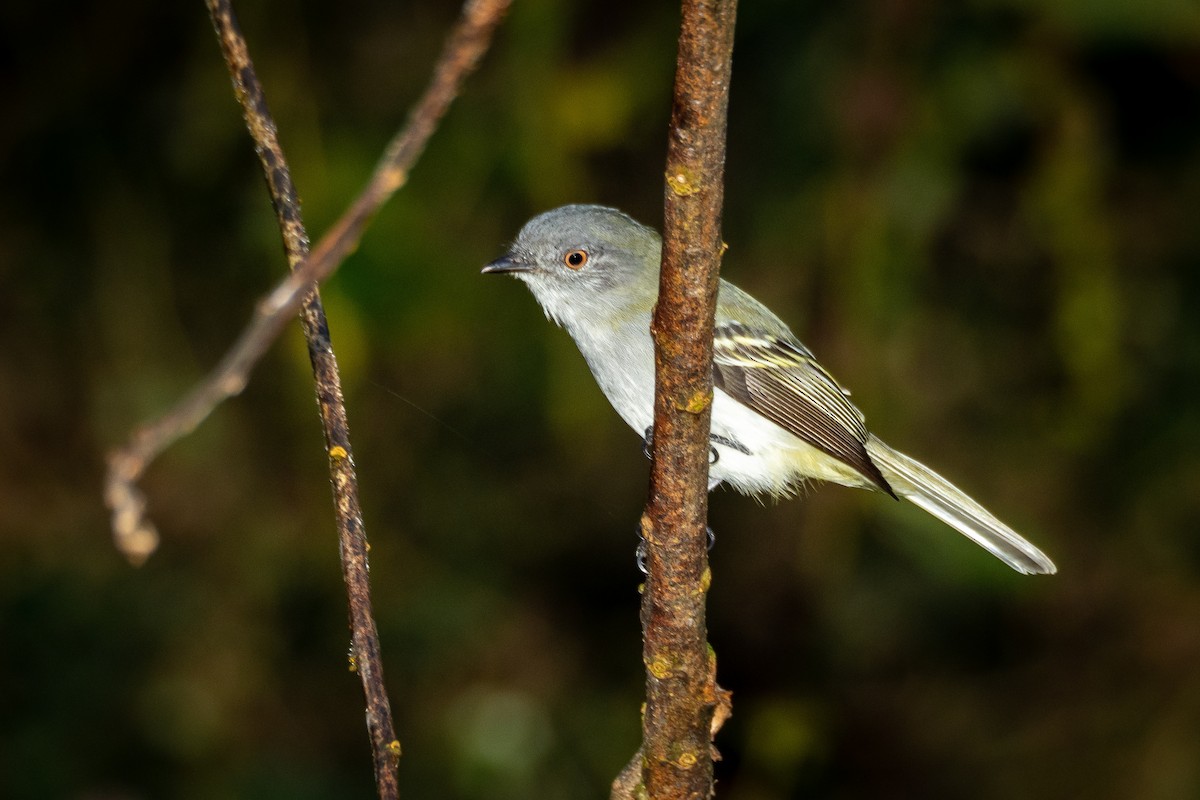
{"type": "Point", "coordinates": [575, 259]}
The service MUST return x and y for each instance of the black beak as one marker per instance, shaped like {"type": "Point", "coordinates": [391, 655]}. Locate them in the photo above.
{"type": "Point", "coordinates": [507, 263]}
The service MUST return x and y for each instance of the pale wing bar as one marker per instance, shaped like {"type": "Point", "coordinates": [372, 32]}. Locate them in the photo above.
{"type": "Point", "coordinates": [780, 379]}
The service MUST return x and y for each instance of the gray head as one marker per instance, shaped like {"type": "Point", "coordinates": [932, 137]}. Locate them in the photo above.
{"type": "Point", "coordinates": [582, 259]}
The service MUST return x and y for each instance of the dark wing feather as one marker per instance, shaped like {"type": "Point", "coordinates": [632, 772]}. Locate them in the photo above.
{"type": "Point", "coordinates": [780, 379]}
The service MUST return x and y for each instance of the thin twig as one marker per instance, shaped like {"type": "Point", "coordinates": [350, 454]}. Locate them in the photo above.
{"type": "Point", "coordinates": [135, 535]}
{"type": "Point", "coordinates": [133, 531]}
{"type": "Point", "coordinates": [682, 697]}
{"type": "Point", "coordinates": [347, 510]}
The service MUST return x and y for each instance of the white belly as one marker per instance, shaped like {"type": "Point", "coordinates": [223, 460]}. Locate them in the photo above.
{"type": "Point", "coordinates": [776, 461]}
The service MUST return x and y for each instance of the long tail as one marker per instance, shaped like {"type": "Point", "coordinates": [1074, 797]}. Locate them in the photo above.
{"type": "Point", "coordinates": [922, 486]}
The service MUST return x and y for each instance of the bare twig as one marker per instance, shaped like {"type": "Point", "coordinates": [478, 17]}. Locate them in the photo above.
{"type": "Point", "coordinates": [347, 510]}
{"type": "Point", "coordinates": [681, 690]}
{"type": "Point", "coordinates": [134, 533]}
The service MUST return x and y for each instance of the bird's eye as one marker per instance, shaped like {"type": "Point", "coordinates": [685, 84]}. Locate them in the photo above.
{"type": "Point", "coordinates": [575, 259]}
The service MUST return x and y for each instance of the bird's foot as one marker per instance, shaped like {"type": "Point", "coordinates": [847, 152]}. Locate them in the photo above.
{"type": "Point", "coordinates": [640, 552]}
{"type": "Point", "coordinates": [713, 455]}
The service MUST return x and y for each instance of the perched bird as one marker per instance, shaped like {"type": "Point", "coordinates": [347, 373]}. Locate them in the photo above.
{"type": "Point", "coordinates": [778, 417]}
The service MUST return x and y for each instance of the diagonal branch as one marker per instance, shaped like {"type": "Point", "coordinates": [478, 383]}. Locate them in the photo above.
{"type": "Point", "coordinates": [684, 706]}
{"type": "Point", "coordinates": [134, 533]}
{"type": "Point", "coordinates": [347, 510]}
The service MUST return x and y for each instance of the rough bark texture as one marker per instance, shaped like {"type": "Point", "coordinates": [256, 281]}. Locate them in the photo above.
{"type": "Point", "coordinates": [681, 690]}
{"type": "Point", "coordinates": [352, 538]}
{"type": "Point", "coordinates": [135, 535]}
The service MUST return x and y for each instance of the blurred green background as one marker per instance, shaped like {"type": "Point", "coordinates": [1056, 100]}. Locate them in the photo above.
{"type": "Point", "coordinates": [983, 216]}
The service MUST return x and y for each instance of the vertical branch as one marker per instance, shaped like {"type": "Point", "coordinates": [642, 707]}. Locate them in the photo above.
{"type": "Point", "coordinates": [681, 690]}
{"type": "Point", "coordinates": [347, 510]}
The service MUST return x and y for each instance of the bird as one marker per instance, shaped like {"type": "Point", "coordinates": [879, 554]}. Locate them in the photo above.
{"type": "Point", "coordinates": [779, 418]}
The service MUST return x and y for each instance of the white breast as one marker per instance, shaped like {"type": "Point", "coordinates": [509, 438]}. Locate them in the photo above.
{"type": "Point", "coordinates": [622, 361]}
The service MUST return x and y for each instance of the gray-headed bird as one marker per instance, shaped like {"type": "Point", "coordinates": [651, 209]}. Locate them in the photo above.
{"type": "Point", "coordinates": [778, 417]}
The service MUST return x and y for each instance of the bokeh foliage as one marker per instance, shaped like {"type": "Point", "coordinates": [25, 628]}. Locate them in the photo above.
{"type": "Point", "coordinates": [982, 215]}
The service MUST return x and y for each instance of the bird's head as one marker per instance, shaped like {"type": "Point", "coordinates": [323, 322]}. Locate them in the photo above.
{"type": "Point", "coordinates": [585, 259]}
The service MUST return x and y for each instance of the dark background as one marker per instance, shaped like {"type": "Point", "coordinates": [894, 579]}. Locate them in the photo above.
{"type": "Point", "coordinates": [981, 215]}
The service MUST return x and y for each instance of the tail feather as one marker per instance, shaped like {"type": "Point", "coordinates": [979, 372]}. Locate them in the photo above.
{"type": "Point", "coordinates": [925, 488]}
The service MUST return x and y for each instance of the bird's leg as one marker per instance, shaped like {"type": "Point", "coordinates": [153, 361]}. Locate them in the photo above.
{"type": "Point", "coordinates": [640, 552]}
{"type": "Point", "coordinates": [713, 483]}
{"type": "Point", "coordinates": [713, 457]}
{"type": "Point", "coordinates": [730, 443]}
